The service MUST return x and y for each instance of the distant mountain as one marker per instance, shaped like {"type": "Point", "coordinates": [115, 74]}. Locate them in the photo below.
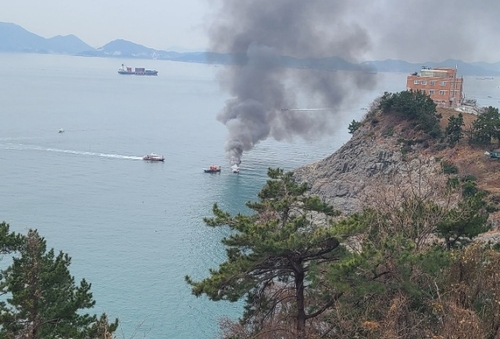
{"type": "Point", "coordinates": [391, 66]}
{"type": "Point", "coordinates": [493, 66]}
{"type": "Point", "coordinates": [478, 69]}
{"type": "Point", "coordinates": [125, 49]}
{"type": "Point", "coordinates": [68, 44]}
{"type": "Point", "coordinates": [14, 38]}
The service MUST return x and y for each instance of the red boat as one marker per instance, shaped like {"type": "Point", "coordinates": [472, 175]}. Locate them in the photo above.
{"type": "Point", "coordinates": [153, 157]}
{"type": "Point", "coordinates": [212, 169]}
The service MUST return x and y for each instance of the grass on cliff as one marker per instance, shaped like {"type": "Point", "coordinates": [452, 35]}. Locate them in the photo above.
{"type": "Point", "coordinates": [469, 159]}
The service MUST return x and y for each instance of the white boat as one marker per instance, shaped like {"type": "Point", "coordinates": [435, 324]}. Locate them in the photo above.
{"type": "Point", "coordinates": [153, 157]}
{"type": "Point", "coordinates": [61, 130]}
{"type": "Point", "coordinates": [235, 169]}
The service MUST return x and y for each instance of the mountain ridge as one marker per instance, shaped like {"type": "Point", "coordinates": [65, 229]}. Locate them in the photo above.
{"type": "Point", "coordinates": [16, 39]}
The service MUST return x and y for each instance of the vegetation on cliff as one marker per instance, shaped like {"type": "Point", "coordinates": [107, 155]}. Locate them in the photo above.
{"type": "Point", "coordinates": [485, 129]}
{"type": "Point", "coordinates": [390, 271]}
{"type": "Point", "coordinates": [421, 112]}
{"type": "Point", "coordinates": [395, 270]}
{"type": "Point", "coordinates": [402, 264]}
{"type": "Point", "coordinates": [462, 141]}
{"type": "Point", "coordinates": [274, 255]}
{"type": "Point", "coordinates": [416, 107]}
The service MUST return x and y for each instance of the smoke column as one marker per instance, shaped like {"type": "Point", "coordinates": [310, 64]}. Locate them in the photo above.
{"type": "Point", "coordinates": [259, 33]}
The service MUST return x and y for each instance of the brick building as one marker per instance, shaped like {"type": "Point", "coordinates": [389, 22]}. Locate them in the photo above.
{"type": "Point", "coordinates": [441, 84]}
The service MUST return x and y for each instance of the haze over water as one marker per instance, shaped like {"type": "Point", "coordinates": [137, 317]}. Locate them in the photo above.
{"type": "Point", "coordinates": [134, 229]}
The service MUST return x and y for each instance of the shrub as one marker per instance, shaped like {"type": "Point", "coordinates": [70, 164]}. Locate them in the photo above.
{"type": "Point", "coordinates": [448, 167]}
{"type": "Point", "coordinates": [415, 106]}
{"type": "Point", "coordinates": [354, 126]}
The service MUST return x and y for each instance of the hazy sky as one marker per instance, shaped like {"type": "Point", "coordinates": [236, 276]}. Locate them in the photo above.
{"type": "Point", "coordinates": [158, 24]}
{"type": "Point", "coordinates": [417, 31]}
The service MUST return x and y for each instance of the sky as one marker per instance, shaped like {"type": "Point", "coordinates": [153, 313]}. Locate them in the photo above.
{"type": "Point", "coordinates": [159, 24]}
{"type": "Point", "coordinates": [416, 31]}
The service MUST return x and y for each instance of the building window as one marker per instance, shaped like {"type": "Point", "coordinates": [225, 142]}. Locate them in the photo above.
{"type": "Point", "coordinates": [433, 82]}
{"type": "Point", "coordinates": [415, 82]}
{"type": "Point", "coordinates": [424, 82]}
{"type": "Point", "coordinates": [442, 92]}
{"type": "Point", "coordinates": [443, 83]}
{"type": "Point", "coordinates": [431, 92]}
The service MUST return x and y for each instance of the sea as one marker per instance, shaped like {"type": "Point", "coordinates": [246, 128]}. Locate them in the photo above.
{"type": "Point", "coordinates": [134, 229]}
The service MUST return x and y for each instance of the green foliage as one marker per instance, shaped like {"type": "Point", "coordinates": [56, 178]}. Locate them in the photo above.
{"type": "Point", "coordinates": [43, 300]}
{"type": "Point", "coordinates": [448, 167]}
{"type": "Point", "coordinates": [398, 284]}
{"type": "Point", "coordinates": [277, 248]}
{"type": "Point", "coordinates": [454, 130]}
{"type": "Point", "coordinates": [486, 127]}
{"type": "Point", "coordinates": [467, 220]}
{"type": "Point", "coordinates": [9, 241]}
{"type": "Point", "coordinates": [370, 275]}
{"type": "Point", "coordinates": [395, 277]}
{"type": "Point", "coordinates": [414, 106]}
{"type": "Point", "coordinates": [469, 177]}
{"type": "Point", "coordinates": [353, 126]}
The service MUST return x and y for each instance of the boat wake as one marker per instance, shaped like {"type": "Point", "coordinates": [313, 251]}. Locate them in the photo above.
{"type": "Point", "coordinates": [66, 151]}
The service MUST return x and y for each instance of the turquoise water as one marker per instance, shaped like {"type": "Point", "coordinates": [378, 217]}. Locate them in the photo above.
{"type": "Point", "coordinates": [134, 229]}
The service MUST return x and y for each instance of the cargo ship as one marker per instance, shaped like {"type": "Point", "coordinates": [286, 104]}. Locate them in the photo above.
{"type": "Point", "coordinates": [136, 71]}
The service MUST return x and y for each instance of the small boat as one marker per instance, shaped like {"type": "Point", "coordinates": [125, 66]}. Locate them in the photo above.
{"type": "Point", "coordinates": [153, 157]}
{"type": "Point", "coordinates": [235, 169]}
{"type": "Point", "coordinates": [212, 169]}
{"type": "Point", "coordinates": [61, 130]}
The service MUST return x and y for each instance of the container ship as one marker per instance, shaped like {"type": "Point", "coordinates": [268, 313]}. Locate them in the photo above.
{"type": "Point", "coordinates": [136, 71]}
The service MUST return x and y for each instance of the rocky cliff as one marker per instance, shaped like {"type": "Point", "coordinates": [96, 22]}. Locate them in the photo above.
{"type": "Point", "coordinates": [343, 178]}
{"type": "Point", "coordinates": [387, 155]}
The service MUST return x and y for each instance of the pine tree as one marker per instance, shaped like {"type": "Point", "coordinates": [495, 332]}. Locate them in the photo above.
{"type": "Point", "coordinates": [467, 220]}
{"type": "Point", "coordinates": [43, 300]}
{"type": "Point", "coordinates": [415, 106]}
{"type": "Point", "coordinates": [9, 241]}
{"type": "Point", "coordinates": [487, 126]}
{"type": "Point", "coordinates": [354, 126]}
{"type": "Point", "coordinates": [454, 130]}
{"type": "Point", "coordinates": [271, 255]}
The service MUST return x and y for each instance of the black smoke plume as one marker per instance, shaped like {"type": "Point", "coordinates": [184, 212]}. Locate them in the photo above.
{"type": "Point", "coordinates": [283, 49]}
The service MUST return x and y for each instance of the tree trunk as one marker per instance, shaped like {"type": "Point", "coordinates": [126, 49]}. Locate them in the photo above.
{"type": "Point", "coordinates": [301, 313]}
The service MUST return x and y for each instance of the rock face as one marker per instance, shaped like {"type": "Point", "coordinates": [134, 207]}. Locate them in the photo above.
{"type": "Point", "coordinates": [342, 178]}
{"type": "Point", "coordinates": [359, 168]}
{"type": "Point", "coordinates": [376, 158]}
